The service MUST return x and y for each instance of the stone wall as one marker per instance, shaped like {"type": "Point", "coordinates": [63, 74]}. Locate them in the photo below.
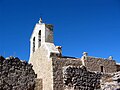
{"type": "Point", "coordinates": [96, 64]}
{"type": "Point", "coordinates": [16, 74]}
{"type": "Point", "coordinates": [58, 66]}
{"type": "Point", "coordinates": [111, 81]}
{"type": "Point", "coordinates": [79, 78]}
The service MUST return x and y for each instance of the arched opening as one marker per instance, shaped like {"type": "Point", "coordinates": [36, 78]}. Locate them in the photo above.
{"type": "Point", "coordinates": [34, 44]}
{"type": "Point", "coordinates": [39, 38]}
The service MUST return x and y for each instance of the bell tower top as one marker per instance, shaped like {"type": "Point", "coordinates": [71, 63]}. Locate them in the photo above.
{"type": "Point", "coordinates": [42, 34]}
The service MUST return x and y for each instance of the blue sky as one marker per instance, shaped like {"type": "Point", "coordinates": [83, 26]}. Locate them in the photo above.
{"type": "Point", "coordinates": [79, 25]}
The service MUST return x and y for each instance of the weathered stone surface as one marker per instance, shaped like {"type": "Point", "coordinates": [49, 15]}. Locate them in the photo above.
{"type": "Point", "coordinates": [95, 64]}
{"type": "Point", "coordinates": [16, 74]}
{"type": "Point", "coordinates": [79, 78]}
{"type": "Point", "coordinates": [58, 66]}
{"type": "Point", "coordinates": [111, 81]}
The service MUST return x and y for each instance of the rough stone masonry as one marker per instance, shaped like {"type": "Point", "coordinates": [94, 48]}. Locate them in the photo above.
{"type": "Point", "coordinates": [79, 78]}
{"type": "Point", "coordinates": [16, 74]}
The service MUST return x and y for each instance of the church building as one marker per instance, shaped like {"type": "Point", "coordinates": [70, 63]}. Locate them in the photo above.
{"type": "Point", "coordinates": [49, 63]}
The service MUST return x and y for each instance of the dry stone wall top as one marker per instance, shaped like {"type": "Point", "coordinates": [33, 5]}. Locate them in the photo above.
{"type": "Point", "coordinates": [16, 74]}
{"type": "Point", "coordinates": [79, 78]}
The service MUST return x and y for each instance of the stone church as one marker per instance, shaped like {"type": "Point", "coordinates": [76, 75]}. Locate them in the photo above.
{"type": "Point", "coordinates": [49, 63]}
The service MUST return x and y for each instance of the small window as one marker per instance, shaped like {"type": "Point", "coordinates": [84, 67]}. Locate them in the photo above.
{"type": "Point", "coordinates": [102, 69]}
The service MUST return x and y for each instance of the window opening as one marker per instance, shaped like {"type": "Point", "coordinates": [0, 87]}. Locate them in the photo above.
{"type": "Point", "coordinates": [34, 44]}
{"type": "Point", "coordinates": [39, 38]}
{"type": "Point", "coordinates": [102, 68]}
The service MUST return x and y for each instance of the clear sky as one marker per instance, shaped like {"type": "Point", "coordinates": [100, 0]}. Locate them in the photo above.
{"type": "Point", "coordinates": [79, 25]}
